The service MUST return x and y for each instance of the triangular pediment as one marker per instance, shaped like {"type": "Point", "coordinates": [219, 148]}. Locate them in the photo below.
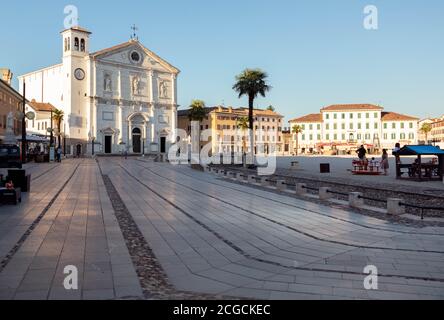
{"type": "Point", "coordinates": [127, 53]}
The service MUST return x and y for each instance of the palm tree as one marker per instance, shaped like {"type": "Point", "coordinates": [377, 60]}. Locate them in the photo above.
{"type": "Point", "coordinates": [242, 123]}
{"type": "Point", "coordinates": [58, 116]}
{"type": "Point", "coordinates": [426, 129]}
{"type": "Point", "coordinates": [196, 114]}
{"type": "Point", "coordinates": [251, 82]}
{"type": "Point", "coordinates": [297, 130]}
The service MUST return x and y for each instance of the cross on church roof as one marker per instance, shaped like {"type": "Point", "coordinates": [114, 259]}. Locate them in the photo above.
{"type": "Point", "coordinates": [134, 34]}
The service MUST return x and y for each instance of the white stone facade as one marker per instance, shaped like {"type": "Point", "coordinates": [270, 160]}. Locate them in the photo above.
{"type": "Point", "coordinates": [349, 126]}
{"type": "Point", "coordinates": [122, 98]}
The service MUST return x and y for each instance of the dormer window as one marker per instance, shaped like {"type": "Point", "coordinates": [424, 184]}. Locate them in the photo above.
{"type": "Point", "coordinates": [76, 44]}
{"type": "Point", "coordinates": [82, 45]}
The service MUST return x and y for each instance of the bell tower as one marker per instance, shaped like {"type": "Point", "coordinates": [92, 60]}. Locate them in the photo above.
{"type": "Point", "coordinates": [75, 42]}
{"type": "Point", "coordinates": [76, 70]}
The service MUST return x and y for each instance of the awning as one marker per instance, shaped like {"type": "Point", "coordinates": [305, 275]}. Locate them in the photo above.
{"type": "Point", "coordinates": [420, 151]}
{"type": "Point", "coordinates": [37, 139]}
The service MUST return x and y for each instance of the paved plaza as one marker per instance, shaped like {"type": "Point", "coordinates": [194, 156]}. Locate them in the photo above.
{"type": "Point", "coordinates": [201, 235]}
{"type": "Point", "coordinates": [341, 167]}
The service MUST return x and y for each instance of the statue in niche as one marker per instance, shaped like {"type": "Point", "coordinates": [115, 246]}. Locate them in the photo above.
{"type": "Point", "coordinates": [163, 89]}
{"type": "Point", "coordinates": [108, 83]}
{"type": "Point", "coordinates": [137, 87]}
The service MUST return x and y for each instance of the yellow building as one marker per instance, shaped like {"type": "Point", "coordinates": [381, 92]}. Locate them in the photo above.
{"type": "Point", "coordinates": [226, 137]}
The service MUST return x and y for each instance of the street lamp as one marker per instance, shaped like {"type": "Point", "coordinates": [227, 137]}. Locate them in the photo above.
{"type": "Point", "coordinates": [24, 142]}
{"type": "Point", "coordinates": [93, 140]}
{"type": "Point", "coordinates": [143, 142]}
{"type": "Point", "coordinates": [64, 139]}
{"type": "Point", "coordinates": [51, 139]}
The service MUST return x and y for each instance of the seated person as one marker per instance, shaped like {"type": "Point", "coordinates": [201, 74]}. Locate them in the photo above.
{"type": "Point", "coordinates": [366, 163]}
{"type": "Point", "coordinates": [372, 164]}
{"type": "Point", "coordinates": [414, 170]}
{"type": "Point", "coordinates": [9, 185]}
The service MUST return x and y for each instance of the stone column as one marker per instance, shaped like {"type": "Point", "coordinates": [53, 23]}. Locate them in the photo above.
{"type": "Point", "coordinates": [151, 86]}
{"type": "Point", "coordinates": [355, 200]}
{"type": "Point", "coordinates": [174, 107]}
{"type": "Point", "coordinates": [301, 188]}
{"type": "Point", "coordinates": [281, 185]}
{"type": "Point", "coordinates": [394, 207]}
{"type": "Point", "coordinates": [120, 121]}
{"type": "Point", "coordinates": [324, 193]}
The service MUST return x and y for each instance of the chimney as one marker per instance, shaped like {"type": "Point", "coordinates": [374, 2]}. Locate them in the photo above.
{"type": "Point", "coordinates": [6, 75]}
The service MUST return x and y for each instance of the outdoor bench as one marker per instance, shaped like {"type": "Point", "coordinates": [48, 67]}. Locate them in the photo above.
{"type": "Point", "coordinates": [13, 196]}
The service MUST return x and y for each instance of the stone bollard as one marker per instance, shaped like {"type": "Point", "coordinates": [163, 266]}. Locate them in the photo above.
{"type": "Point", "coordinates": [301, 189]}
{"type": "Point", "coordinates": [324, 193]}
{"type": "Point", "coordinates": [265, 182]}
{"type": "Point", "coordinates": [281, 185]}
{"type": "Point", "coordinates": [354, 200]}
{"type": "Point", "coordinates": [252, 179]}
{"type": "Point", "coordinates": [240, 177]}
{"type": "Point", "coordinates": [394, 207]}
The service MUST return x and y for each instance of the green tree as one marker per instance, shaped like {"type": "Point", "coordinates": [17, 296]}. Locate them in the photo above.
{"type": "Point", "coordinates": [197, 113]}
{"type": "Point", "coordinates": [242, 123]}
{"type": "Point", "coordinates": [297, 130]}
{"type": "Point", "coordinates": [426, 128]}
{"type": "Point", "coordinates": [271, 108]}
{"type": "Point", "coordinates": [251, 83]}
{"type": "Point", "coordinates": [57, 117]}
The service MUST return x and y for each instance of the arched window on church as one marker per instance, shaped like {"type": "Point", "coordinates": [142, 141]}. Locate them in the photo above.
{"type": "Point", "coordinates": [76, 44]}
{"type": "Point", "coordinates": [82, 45]}
{"type": "Point", "coordinates": [69, 43]}
{"type": "Point", "coordinates": [66, 44]}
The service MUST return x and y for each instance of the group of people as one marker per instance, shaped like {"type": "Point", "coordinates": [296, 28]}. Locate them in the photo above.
{"type": "Point", "coordinates": [384, 165]}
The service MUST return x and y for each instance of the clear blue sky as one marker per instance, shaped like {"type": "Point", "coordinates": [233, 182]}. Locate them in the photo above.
{"type": "Point", "coordinates": [316, 51]}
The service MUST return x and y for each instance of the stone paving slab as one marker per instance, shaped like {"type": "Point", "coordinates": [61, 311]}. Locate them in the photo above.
{"type": "Point", "coordinates": [183, 208]}
{"type": "Point", "coordinates": [209, 236]}
{"type": "Point", "coordinates": [79, 229]}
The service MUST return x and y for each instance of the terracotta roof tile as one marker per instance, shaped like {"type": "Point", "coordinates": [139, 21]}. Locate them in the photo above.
{"type": "Point", "coordinates": [393, 116]}
{"type": "Point", "coordinates": [42, 107]}
{"type": "Point", "coordinates": [77, 28]}
{"type": "Point", "coordinates": [351, 107]}
{"type": "Point", "coordinates": [315, 117]}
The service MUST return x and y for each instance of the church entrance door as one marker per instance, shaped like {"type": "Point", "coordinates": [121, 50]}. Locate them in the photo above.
{"type": "Point", "coordinates": [162, 144]}
{"type": "Point", "coordinates": [108, 144]}
{"type": "Point", "coordinates": [78, 150]}
{"type": "Point", "coordinates": [137, 140]}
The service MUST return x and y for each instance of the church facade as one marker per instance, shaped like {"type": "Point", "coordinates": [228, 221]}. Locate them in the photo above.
{"type": "Point", "coordinates": [117, 99]}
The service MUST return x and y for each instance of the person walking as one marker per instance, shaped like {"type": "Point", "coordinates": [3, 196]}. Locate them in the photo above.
{"type": "Point", "coordinates": [59, 154]}
{"type": "Point", "coordinates": [385, 162]}
{"type": "Point", "coordinates": [396, 153]}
